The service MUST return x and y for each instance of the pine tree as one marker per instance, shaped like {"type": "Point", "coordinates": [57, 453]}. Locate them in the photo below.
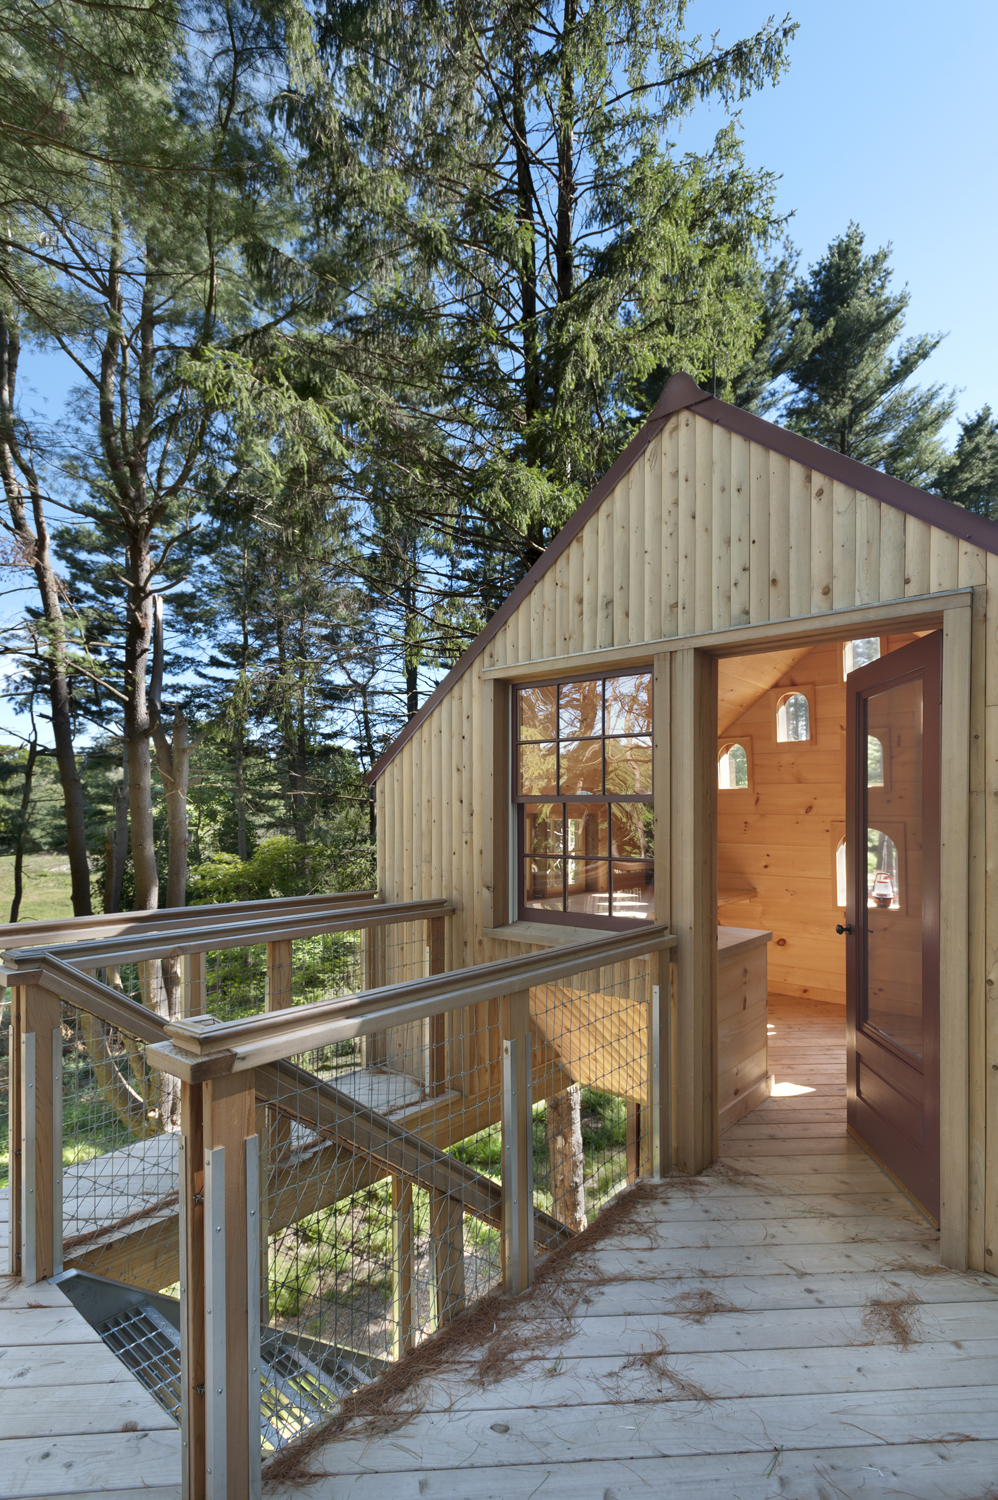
{"type": "Point", "coordinates": [970, 478]}
{"type": "Point", "coordinates": [534, 249]}
{"type": "Point", "coordinates": [851, 391]}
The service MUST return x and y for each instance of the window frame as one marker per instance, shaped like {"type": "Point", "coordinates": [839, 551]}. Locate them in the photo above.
{"type": "Point", "coordinates": [778, 695]}
{"type": "Point", "coordinates": [520, 800]}
{"type": "Point", "coordinates": [725, 743]}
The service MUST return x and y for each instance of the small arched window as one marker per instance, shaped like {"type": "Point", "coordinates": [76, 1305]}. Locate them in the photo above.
{"type": "Point", "coordinates": [883, 885]}
{"type": "Point", "coordinates": [874, 761]}
{"type": "Point", "coordinates": [793, 718]}
{"type": "Point", "coordinates": [859, 653]}
{"type": "Point", "coordinates": [732, 768]}
{"type": "Point", "coordinates": [840, 873]}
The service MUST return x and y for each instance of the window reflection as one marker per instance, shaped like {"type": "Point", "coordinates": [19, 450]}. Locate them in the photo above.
{"type": "Point", "coordinates": [584, 783]}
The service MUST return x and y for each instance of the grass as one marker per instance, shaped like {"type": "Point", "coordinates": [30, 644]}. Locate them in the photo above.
{"type": "Point", "coordinates": [46, 887]}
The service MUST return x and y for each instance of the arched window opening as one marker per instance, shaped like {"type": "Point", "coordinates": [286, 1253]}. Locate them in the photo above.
{"type": "Point", "coordinates": [840, 872]}
{"type": "Point", "coordinates": [793, 718]}
{"type": "Point", "coordinates": [732, 768]}
{"type": "Point", "coordinates": [874, 761]}
{"type": "Point", "coordinates": [883, 887]}
{"type": "Point", "coordinates": [859, 653]}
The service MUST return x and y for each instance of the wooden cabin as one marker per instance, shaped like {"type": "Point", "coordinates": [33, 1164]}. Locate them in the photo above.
{"type": "Point", "coordinates": [749, 691]}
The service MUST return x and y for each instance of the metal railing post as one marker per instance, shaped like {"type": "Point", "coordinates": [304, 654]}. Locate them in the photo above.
{"type": "Point", "coordinates": [221, 1416]}
{"type": "Point", "coordinates": [517, 1144]}
{"type": "Point", "coordinates": [37, 1131]}
{"type": "Point", "coordinates": [660, 1065]}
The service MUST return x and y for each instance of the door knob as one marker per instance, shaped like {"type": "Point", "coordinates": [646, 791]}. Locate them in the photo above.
{"type": "Point", "coordinates": [840, 929]}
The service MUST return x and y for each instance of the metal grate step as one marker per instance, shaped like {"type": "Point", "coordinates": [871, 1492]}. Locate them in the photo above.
{"type": "Point", "coordinates": [299, 1386]}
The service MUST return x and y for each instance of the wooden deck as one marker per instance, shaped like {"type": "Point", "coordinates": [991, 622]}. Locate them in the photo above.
{"type": "Point", "coordinates": [726, 1355]}
{"type": "Point", "coordinates": [785, 1389]}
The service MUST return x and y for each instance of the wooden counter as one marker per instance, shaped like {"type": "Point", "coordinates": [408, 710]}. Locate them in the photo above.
{"type": "Point", "coordinates": [743, 1075]}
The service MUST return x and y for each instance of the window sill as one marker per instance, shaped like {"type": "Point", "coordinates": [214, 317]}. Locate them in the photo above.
{"type": "Point", "coordinates": [547, 934]}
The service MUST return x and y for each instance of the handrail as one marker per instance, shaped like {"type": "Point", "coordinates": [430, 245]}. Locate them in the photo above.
{"type": "Point", "coordinates": [173, 942]}
{"type": "Point", "coordinates": [254, 1040]}
{"type": "Point", "coordinates": [234, 1046]}
{"type": "Point", "coordinates": [115, 924]}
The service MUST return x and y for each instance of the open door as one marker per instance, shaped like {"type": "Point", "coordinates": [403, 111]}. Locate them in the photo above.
{"type": "Point", "coordinates": [892, 913]}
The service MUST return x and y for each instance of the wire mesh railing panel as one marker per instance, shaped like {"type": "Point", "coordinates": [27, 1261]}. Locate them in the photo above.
{"type": "Point", "coordinates": [381, 1204]}
{"type": "Point", "coordinates": [591, 1031]}
{"type": "Point", "coordinates": [231, 983]}
{"type": "Point", "coordinates": [119, 1152]}
{"type": "Point", "coordinates": [5, 1130]}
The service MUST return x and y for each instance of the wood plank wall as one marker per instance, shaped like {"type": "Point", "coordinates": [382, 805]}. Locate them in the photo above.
{"type": "Point", "coordinates": [706, 531]}
{"type": "Point", "coordinates": [780, 833]}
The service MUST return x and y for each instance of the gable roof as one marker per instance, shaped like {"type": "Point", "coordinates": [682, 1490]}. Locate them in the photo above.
{"type": "Point", "coordinates": [682, 393]}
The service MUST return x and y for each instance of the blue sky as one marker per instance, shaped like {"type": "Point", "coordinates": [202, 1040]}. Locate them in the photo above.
{"type": "Point", "coordinates": [887, 116]}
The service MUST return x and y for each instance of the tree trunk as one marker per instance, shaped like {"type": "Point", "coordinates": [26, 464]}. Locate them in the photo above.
{"type": "Point", "coordinates": [242, 848]}
{"type": "Point", "coordinates": [22, 830]}
{"type": "Point", "coordinates": [567, 1180]}
{"type": "Point", "coordinates": [20, 481]}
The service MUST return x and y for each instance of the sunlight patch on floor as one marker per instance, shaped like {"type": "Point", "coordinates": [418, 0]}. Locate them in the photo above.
{"type": "Point", "coordinates": [784, 1090]}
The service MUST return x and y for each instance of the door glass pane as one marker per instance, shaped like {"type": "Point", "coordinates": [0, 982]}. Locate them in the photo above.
{"type": "Point", "coordinates": [893, 969]}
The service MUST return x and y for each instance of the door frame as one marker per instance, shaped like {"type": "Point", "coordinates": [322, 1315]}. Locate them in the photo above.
{"type": "Point", "coordinates": [685, 751]}
{"type": "Point", "coordinates": [693, 818]}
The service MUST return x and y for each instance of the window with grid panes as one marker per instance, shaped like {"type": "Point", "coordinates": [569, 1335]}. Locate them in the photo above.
{"type": "Point", "coordinates": [583, 789]}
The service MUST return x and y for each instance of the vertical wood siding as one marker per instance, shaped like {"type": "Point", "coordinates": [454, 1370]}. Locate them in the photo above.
{"type": "Point", "coordinates": [708, 530]}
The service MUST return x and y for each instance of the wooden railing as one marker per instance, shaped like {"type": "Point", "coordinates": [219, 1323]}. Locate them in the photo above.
{"type": "Point", "coordinates": [227, 1068]}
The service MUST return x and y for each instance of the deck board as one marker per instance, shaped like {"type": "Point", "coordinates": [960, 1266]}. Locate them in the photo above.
{"type": "Point", "coordinates": [796, 1234]}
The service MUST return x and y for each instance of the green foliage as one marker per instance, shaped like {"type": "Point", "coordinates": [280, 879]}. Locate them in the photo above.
{"type": "Point", "coordinates": [849, 389]}
{"type": "Point", "coordinates": [970, 477]}
{"type": "Point", "coordinates": [279, 867]}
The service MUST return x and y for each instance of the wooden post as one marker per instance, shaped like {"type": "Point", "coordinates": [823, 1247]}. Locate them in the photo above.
{"type": "Point", "coordinates": [954, 971]}
{"type": "Point", "coordinates": [231, 1303]}
{"type": "Point", "coordinates": [375, 975]}
{"type": "Point", "coordinates": [517, 1144]}
{"type": "Point", "coordinates": [278, 996]}
{"type": "Point", "coordinates": [446, 1256]}
{"type": "Point", "coordinates": [195, 1001]}
{"type": "Point", "coordinates": [694, 901]}
{"type": "Point", "coordinates": [437, 1041]}
{"type": "Point", "coordinates": [280, 992]}
{"type": "Point", "coordinates": [403, 1244]}
{"type": "Point", "coordinates": [39, 1131]}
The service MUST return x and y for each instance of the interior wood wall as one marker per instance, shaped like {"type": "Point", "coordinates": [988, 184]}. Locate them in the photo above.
{"type": "Point", "coordinates": [780, 833]}
{"type": "Point", "coordinates": [706, 531]}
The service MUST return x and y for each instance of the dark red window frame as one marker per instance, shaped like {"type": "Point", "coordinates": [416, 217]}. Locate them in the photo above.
{"type": "Point", "coordinates": [522, 801]}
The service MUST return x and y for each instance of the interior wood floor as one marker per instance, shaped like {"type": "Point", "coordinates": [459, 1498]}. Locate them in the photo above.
{"type": "Point", "coordinates": [742, 1346]}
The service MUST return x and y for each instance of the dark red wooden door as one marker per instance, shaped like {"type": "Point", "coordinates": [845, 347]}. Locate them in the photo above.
{"type": "Point", "coordinates": [892, 886]}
